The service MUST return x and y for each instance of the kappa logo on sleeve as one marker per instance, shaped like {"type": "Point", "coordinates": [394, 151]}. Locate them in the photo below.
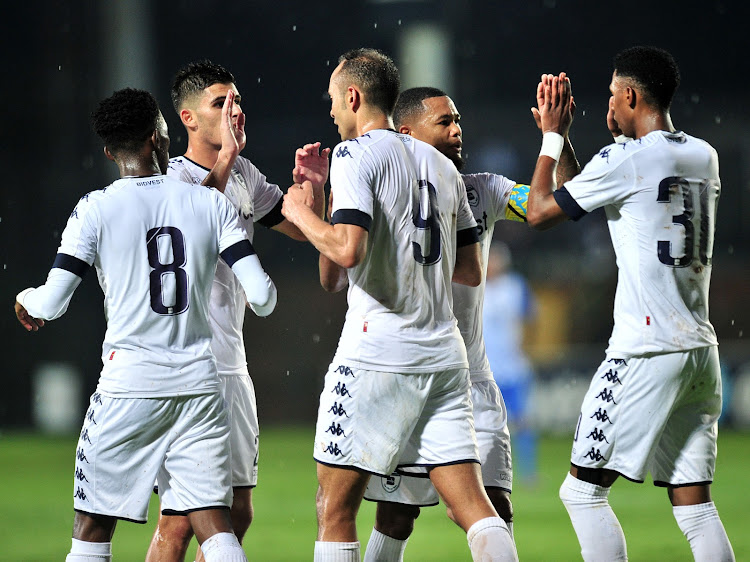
{"type": "Point", "coordinates": [343, 151]}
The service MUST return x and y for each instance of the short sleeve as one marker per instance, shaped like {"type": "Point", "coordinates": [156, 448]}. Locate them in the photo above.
{"type": "Point", "coordinates": [464, 217]}
{"type": "Point", "coordinates": [606, 180]}
{"type": "Point", "coordinates": [80, 237]}
{"type": "Point", "coordinates": [230, 231]}
{"type": "Point", "coordinates": [351, 184]}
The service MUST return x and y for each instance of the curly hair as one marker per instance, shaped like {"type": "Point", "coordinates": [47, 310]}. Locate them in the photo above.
{"type": "Point", "coordinates": [196, 77]}
{"type": "Point", "coordinates": [375, 74]}
{"type": "Point", "coordinates": [126, 119]}
{"type": "Point", "coordinates": [653, 69]}
{"type": "Point", "coordinates": [409, 104]}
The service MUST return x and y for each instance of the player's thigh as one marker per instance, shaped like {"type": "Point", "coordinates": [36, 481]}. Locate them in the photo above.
{"type": "Point", "coordinates": [493, 436]}
{"type": "Point", "coordinates": [239, 396]}
{"type": "Point", "coordinates": [686, 451]}
{"type": "Point", "coordinates": [196, 471]}
{"type": "Point", "coordinates": [365, 417]}
{"type": "Point", "coordinates": [412, 488]}
{"type": "Point", "coordinates": [120, 450]}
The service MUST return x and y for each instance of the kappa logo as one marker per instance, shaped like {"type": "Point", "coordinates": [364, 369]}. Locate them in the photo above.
{"type": "Point", "coordinates": [391, 483]}
{"type": "Point", "coordinates": [343, 151]}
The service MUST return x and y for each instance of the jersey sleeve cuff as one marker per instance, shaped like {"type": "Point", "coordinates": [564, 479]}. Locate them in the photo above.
{"type": "Point", "coordinates": [274, 216]}
{"type": "Point", "coordinates": [352, 216]}
{"type": "Point", "coordinates": [71, 263]}
{"type": "Point", "coordinates": [237, 251]}
{"type": "Point", "coordinates": [467, 236]}
{"type": "Point", "coordinates": [569, 205]}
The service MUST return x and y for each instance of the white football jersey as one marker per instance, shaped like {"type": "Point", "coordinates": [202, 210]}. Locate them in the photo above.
{"type": "Point", "coordinates": [491, 197]}
{"type": "Point", "coordinates": [256, 200]}
{"type": "Point", "coordinates": [660, 194]}
{"type": "Point", "coordinates": [413, 203]}
{"type": "Point", "coordinates": [155, 243]}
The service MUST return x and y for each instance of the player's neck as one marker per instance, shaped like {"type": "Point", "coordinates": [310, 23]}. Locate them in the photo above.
{"type": "Point", "coordinates": [202, 154]}
{"type": "Point", "coordinates": [372, 121]}
{"type": "Point", "coordinates": [654, 121]}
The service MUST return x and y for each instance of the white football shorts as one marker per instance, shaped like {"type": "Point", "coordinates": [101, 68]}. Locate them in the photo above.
{"type": "Point", "coordinates": [377, 421]}
{"type": "Point", "coordinates": [656, 413]}
{"type": "Point", "coordinates": [182, 442]}
{"type": "Point", "coordinates": [491, 425]}
{"type": "Point", "coordinates": [239, 396]}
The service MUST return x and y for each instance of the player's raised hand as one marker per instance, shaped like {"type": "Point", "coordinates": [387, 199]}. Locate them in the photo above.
{"type": "Point", "coordinates": [311, 164]}
{"type": "Point", "coordinates": [27, 321]}
{"type": "Point", "coordinates": [233, 137]}
{"type": "Point", "coordinates": [612, 125]}
{"type": "Point", "coordinates": [555, 104]}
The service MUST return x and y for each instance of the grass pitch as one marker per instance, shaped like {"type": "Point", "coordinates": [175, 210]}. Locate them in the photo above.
{"type": "Point", "coordinates": [36, 511]}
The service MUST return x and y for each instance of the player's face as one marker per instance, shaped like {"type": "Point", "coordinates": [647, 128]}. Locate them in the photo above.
{"type": "Point", "coordinates": [622, 111]}
{"type": "Point", "coordinates": [208, 112]}
{"type": "Point", "coordinates": [342, 116]}
{"type": "Point", "coordinates": [439, 126]}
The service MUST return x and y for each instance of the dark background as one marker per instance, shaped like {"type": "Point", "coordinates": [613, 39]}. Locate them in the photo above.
{"type": "Point", "coordinates": [61, 58]}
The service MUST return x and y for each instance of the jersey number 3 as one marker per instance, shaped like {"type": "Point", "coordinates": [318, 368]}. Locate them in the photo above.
{"type": "Point", "coordinates": [425, 217]}
{"type": "Point", "coordinates": [700, 242]}
{"type": "Point", "coordinates": [168, 281]}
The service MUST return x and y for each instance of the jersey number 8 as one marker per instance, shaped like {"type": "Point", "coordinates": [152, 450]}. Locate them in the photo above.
{"type": "Point", "coordinates": [168, 281]}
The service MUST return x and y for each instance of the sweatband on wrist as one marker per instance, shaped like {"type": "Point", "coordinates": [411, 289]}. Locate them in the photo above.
{"type": "Point", "coordinates": [552, 145]}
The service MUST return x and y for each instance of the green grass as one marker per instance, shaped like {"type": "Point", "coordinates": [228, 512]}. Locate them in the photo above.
{"type": "Point", "coordinates": [36, 512]}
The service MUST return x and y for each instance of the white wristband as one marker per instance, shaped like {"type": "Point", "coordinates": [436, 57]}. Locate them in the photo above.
{"type": "Point", "coordinates": [552, 145]}
{"type": "Point", "coordinates": [622, 139]}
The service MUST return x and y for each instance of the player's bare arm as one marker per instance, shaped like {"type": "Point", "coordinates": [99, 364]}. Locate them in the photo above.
{"type": "Point", "coordinates": [27, 321]}
{"type": "Point", "coordinates": [344, 244]}
{"type": "Point", "coordinates": [468, 270]}
{"type": "Point", "coordinates": [333, 277]}
{"type": "Point", "coordinates": [568, 167]}
{"type": "Point", "coordinates": [554, 106]}
{"type": "Point", "coordinates": [233, 140]}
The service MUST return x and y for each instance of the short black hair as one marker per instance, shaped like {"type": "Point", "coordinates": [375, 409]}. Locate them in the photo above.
{"type": "Point", "coordinates": [410, 104]}
{"type": "Point", "coordinates": [653, 69]}
{"type": "Point", "coordinates": [375, 73]}
{"type": "Point", "coordinates": [196, 77]}
{"type": "Point", "coordinates": [126, 119]}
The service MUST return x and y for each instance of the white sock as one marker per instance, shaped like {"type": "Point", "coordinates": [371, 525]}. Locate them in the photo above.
{"type": "Point", "coordinates": [704, 531]}
{"type": "Point", "coordinates": [336, 551]}
{"type": "Point", "coordinates": [83, 551]}
{"type": "Point", "coordinates": [599, 532]}
{"type": "Point", "coordinates": [382, 548]}
{"type": "Point", "coordinates": [223, 547]}
{"type": "Point", "coordinates": [490, 541]}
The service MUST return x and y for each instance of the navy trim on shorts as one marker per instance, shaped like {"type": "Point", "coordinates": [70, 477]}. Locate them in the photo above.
{"type": "Point", "coordinates": [274, 216]}
{"type": "Point", "coordinates": [568, 204]}
{"type": "Point", "coordinates": [402, 503]}
{"type": "Point", "coordinates": [662, 484]}
{"type": "Point", "coordinates": [245, 487]}
{"type": "Point", "coordinates": [352, 216]}
{"type": "Point", "coordinates": [431, 466]}
{"type": "Point", "coordinates": [499, 488]}
{"type": "Point", "coordinates": [170, 512]}
{"type": "Point", "coordinates": [467, 236]}
{"type": "Point", "coordinates": [625, 476]}
{"type": "Point", "coordinates": [71, 263]}
{"type": "Point", "coordinates": [113, 516]}
{"type": "Point", "coordinates": [237, 251]}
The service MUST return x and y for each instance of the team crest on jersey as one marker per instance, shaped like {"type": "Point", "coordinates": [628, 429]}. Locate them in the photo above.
{"type": "Point", "coordinates": [472, 195]}
{"type": "Point", "coordinates": [391, 483]}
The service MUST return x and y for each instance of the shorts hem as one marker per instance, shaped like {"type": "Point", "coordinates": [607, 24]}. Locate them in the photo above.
{"type": "Point", "coordinates": [193, 510]}
{"type": "Point", "coordinates": [244, 486]}
{"type": "Point", "coordinates": [503, 488]}
{"type": "Point", "coordinates": [119, 517]}
{"type": "Point", "coordinates": [662, 484]}
{"type": "Point", "coordinates": [429, 466]}
{"type": "Point", "coordinates": [432, 504]}
{"type": "Point", "coordinates": [352, 467]}
{"type": "Point", "coordinates": [625, 476]}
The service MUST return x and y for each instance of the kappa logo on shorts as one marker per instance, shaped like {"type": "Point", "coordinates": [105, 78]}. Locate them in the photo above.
{"type": "Point", "coordinates": [341, 389]}
{"type": "Point", "coordinates": [391, 483]}
{"type": "Point", "coordinates": [617, 361]}
{"type": "Point", "coordinates": [595, 454]}
{"type": "Point", "coordinates": [333, 448]}
{"type": "Point", "coordinates": [81, 456]}
{"type": "Point", "coordinates": [344, 370]}
{"type": "Point", "coordinates": [80, 494]}
{"type": "Point", "coordinates": [96, 398]}
{"type": "Point", "coordinates": [611, 376]}
{"type": "Point", "coordinates": [336, 429]}
{"type": "Point", "coordinates": [597, 435]}
{"type": "Point", "coordinates": [338, 409]}
{"type": "Point", "coordinates": [601, 415]}
{"type": "Point", "coordinates": [607, 396]}
{"type": "Point", "coordinates": [90, 416]}
{"type": "Point", "coordinates": [85, 435]}
{"type": "Point", "coordinates": [80, 476]}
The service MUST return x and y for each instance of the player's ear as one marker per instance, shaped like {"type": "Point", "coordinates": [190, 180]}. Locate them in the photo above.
{"type": "Point", "coordinates": [404, 130]}
{"type": "Point", "coordinates": [631, 96]}
{"type": "Point", "coordinates": [353, 98]}
{"type": "Point", "coordinates": [187, 118]}
{"type": "Point", "coordinates": [108, 154]}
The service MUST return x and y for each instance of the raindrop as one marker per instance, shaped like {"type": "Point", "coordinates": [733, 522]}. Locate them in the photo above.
{"type": "Point", "coordinates": [294, 28]}
{"type": "Point", "coordinates": [717, 119]}
{"type": "Point", "coordinates": [583, 113]}
{"type": "Point", "coordinates": [399, 22]}
{"type": "Point", "coordinates": [375, 25]}
{"type": "Point", "coordinates": [59, 67]}
{"type": "Point", "coordinates": [316, 338]}
{"type": "Point", "coordinates": [287, 373]}
{"type": "Point", "coordinates": [732, 322]}
{"type": "Point", "coordinates": [740, 334]}
{"type": "Point", "coordinates": [328, 63]}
